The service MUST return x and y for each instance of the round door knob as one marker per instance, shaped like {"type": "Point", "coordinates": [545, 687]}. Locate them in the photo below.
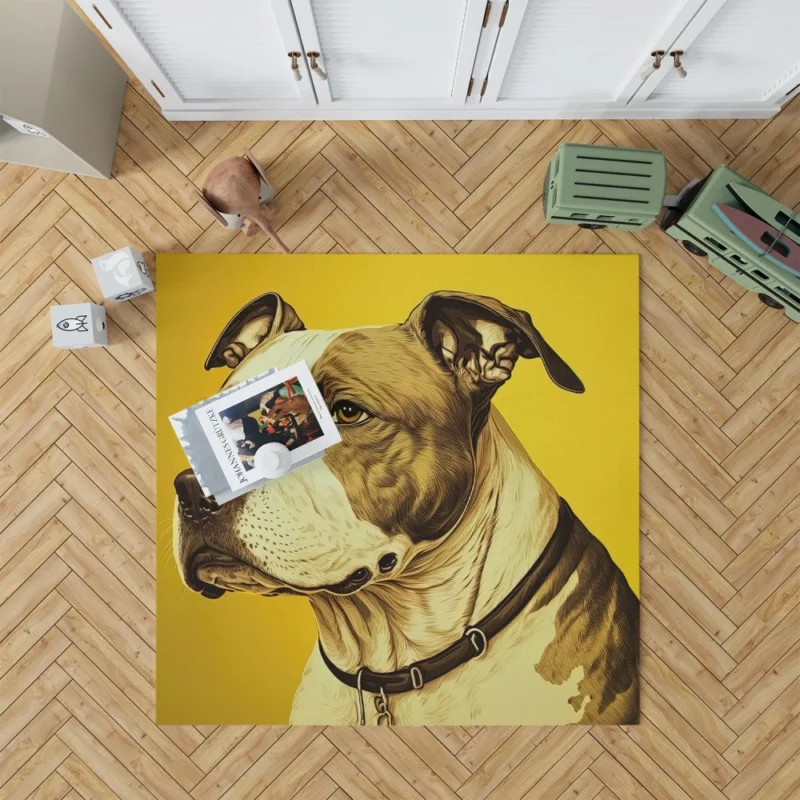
{"type": "Point", "coordinates": [295, 66]}
{"type": "Point", "coordinates": [657, 55]}
{"type": "Point", "coordinates": [676, 61]}
{"type": "Point", "coordinates": [315, 68]}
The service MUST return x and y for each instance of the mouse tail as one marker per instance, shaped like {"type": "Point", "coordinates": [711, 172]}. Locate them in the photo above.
{"type": "Point", "coordinates": [267, 228]}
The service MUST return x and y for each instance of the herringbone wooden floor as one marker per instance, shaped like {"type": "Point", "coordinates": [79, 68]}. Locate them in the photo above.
{"type": "Point", "coordinates": [720, 471]}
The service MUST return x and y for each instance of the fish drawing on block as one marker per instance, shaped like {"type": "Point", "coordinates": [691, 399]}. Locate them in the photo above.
{"type": "Point", "coordinates": [77, 324]}
{"type": "Point", "coordinates": [763, 238]}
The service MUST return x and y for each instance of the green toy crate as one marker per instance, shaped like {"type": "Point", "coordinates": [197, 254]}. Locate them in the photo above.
{"type": "Point", "coordinates": [702, 232]}
{"type": "Point", "coordinates": [605, 187]}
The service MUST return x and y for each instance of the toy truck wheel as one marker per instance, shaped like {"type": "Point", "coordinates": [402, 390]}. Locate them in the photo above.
{"type": "Point", "coordinates": [769, 301]}
{"type": "Point", "coordinates": [592, 226]}
{"type": "Point", "coordinates": [694, 249]}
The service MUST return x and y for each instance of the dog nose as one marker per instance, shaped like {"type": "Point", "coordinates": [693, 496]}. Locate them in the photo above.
{"type": "Point", "coordinates": [195, 506]}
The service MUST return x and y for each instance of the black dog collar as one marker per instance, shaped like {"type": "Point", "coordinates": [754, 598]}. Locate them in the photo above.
{"type": "Point", "coordinates": [475, 641]}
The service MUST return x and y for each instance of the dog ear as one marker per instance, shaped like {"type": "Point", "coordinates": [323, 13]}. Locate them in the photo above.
{"type": "Point", "coordinates": [479, 339]}
{"type": "Point", "coordinates": [262, 318]}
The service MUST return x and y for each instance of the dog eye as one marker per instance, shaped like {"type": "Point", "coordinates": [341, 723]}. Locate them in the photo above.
{"type": "Point", "coordinates": [346, 412]}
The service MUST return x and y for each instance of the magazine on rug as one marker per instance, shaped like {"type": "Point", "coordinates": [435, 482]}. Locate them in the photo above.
{"type": "Point", "coordinates": [222, 434]}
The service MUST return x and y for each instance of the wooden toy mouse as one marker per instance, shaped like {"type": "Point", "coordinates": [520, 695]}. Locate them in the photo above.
{"type": "Point", "coordinates": [237, 192]}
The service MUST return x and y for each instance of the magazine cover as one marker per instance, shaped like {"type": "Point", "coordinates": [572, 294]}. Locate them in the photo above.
{"type": "Point", "coordinates": [221, 435]}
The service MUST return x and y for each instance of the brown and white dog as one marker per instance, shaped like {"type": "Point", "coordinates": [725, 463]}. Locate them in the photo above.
{"type": "Point", "coordinates": [418, 524]}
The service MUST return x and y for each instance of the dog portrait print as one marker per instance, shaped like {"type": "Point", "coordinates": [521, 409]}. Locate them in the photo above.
{"type": "Point", "coordinates": [449, 580]}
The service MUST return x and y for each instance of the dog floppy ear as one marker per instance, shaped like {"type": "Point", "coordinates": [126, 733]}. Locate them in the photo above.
{"type": "Point", "coordinates": [266, 316]}
{"type": "Point", "coordinates": [479, 339]}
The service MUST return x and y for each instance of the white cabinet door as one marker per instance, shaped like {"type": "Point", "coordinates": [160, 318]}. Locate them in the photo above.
{"type": "Point", "coordinates": [735, 51]}
{"type": "Point", "coordinates": [563, 54]}
{"type": "Point", "coordinates": [205, 54]}
{"type": "Point", "coordinates": [407, 54]}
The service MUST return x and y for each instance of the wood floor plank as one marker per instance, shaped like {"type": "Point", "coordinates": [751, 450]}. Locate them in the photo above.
{"type": "Point", "coordinates": [97, 216]}
{"type": "Point", "coordinates": [209, 135]}
{"type": "Point", "coordinates": [685, 158]}
{"type": "Point", "coordinates": [37, 770]}
{"type": "Point", "coordinates": [236, 762]}
{"type": "Point", "coordinates": [134, 214]}
{"type": "Point", "coordinates": [100, 616]}
{"type": "Point", "coordinates": [109, 771]}
{"type": "Point", "coordinates": [383, 197]}
{"type": "Point", "coordinates": [122, 451]}
{"type": "Point", "coordinates": [474, 135]}
{"type": "Point", "coordinates": [768, 397]}
{"type": "Point", "coordinates": [86, 784]}
{"type": "Point", "coordinates": [667, 728]}
{"type": "Point", "coordinates": [318, 241]}
{"type": "Point", "coordinates": [769, 615]}
{"type": "Point", "coordinates": [493, 152]}
{"type": "Point", "coordinates": [306, 219]}
{"type": "Point", "coordinates": [31, 266]}
{"type": "Point", "coordinates": [784, 673]}
{"type": "Point", "coordinates": [510, 172]}
{"type": "Point", "coordinates": [29, 533]}
{"type": "Point", "coordinates": [109, 516]}
{"type": "Point", "coordinates": [32, 592]}
{"type": "Point", "coordinates": [344, 231]}
{"type": "Point", "coordinates": [569, 752]}
{"type": "Point", "coordinates": [435, 770]}
{"type": "Point", "coordinates": [772, 136]}
{"type": "Point", "coordinates": [152, 197]}
{"type": "Point", "coordinates": [525, 191]}
{"type": "Point", "coordinates": [769, 506]}
{"type": "Point", "coordinates": [362, 214]}
{"type": "Point", "coordinates": [26, 198]}
{"type": "Point", "coordinates": [452, 127]}
{"type": "Point", "coordinates": [12, 176]}
{"type": "Point", "coordinates": [685, 412]}
{"type": "Point", "coordinates": [26, 237]}
{"type": "Point", "coordinates": [426, 168]}
{"type": "Point", "coordinates": [714, 730]}
{"type": "Point", "coordinates": [35, 734]}
{"type": "Point", "coordinates": [402, 180]}
{"type": "Point", "coordinates": [700, 139]}
{"type": "Point", "coordinates": [30, 629]}
{"type": "Point", "coordinates": [437, 143]}
{"type": "Point", "coordinates": [162, 780]}
{"type": "Point", "coordinates": [144, 153]}
{"type": "Point", "coordinates": [160, 132]}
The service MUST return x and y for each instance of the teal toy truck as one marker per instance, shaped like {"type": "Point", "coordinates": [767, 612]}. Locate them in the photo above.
{"type": "Point", "coordinates": [696, 225]}
{"type": "Point", "coordinates": [625, 189]}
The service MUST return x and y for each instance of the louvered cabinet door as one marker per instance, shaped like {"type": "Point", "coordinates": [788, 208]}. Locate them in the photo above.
{"type": "Point", "coordinates": [558, 55]}
{"type": "Point", "coordinates": [208, 54]}
{"type": "Point", "coordinates": [735, 51]}
{"type": "Point", "coordinates": [398, 55]}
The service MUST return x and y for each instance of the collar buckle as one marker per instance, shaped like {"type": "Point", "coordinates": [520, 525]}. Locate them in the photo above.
{"type": "Point", "coordinates": [417, 681]}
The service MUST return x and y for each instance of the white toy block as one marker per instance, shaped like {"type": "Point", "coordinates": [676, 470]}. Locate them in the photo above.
{"type": "Point", "coordinates": [122, 274]}
{"type": "Point", "coordinates": [78, 325]}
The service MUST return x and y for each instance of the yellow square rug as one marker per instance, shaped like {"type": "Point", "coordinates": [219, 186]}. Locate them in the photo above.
{"type": "Point", "coordinates": [468, 554]}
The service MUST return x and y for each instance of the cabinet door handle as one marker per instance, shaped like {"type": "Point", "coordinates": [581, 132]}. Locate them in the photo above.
{"type": "Point", "coordinates": [657, 56]}
{"type": "Point", "coordinates": [295, 66]}
{"type": "Point", "coordinates": [676, 61]}
{"type": "Point", "coordinates": [315, 68]}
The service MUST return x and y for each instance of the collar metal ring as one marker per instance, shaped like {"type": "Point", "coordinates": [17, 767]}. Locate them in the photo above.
{"type": "Point", "coordinates": [482, 643]}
